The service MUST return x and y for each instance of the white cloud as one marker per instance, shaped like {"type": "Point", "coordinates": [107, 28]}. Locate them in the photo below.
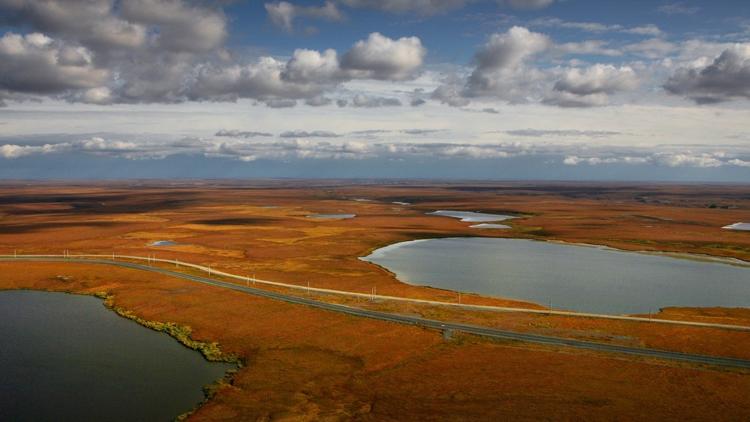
{"type": "Point", "coordinates": [727, 77]}
{"type": "Point", "coordinates": [92, 22]}
{"type": "Point", "coordinates": [501, 69]}
{"type": "Point", "coordinates": [283, 13]}
{"type": "Point", "coordinates": [380, 57]}
{"type": "Point", "coordinates": [648, 29]}
{"type": "Point", "coordinates": [182, 26]}
{"type": "Point", "coordinates": [505, 70]}
{"type": "Point", "coordinates": [678, 8]}
{"type": "Point", "coordinates": [591, 86]}
{"type": "Point", "coordinates": [689, 160]}
{"type": "Point", "coordinates": [310, 66]}
{"type": "Point", "coordinates": [652, 48]}
{"type": "Point", "coordinates": [588, 47]}
{"type": "Point", "coordinates": [37, 64]}
{"type": "Point", "coordinates": [321, 144]}
{"type": "Point", "coordinates": [308, 73]}
{"type": "Point", "coordinates": [598, 78]}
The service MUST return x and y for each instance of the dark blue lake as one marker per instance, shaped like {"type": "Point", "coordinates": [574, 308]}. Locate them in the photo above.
{"type": "Point", "coordinates": [66, 357]}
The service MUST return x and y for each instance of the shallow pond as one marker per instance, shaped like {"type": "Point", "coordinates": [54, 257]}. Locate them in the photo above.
{"type": "Point", "coordinates": [581, 278]}
{"type": "Point", "coordinates": [489, 226]}
{"type": "Point", "coordinates": [332, 216]}
{"type": "Point", "coordinates": [471, 217]}
{"type": "Point", "coordinates": [67, 357]}
{"type": "Point", "coordinates": [738, 226]}
{"type": "Point", "coordinates": [163, 243]}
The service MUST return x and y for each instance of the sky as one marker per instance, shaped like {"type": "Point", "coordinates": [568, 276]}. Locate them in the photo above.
{"type": "Point", "coordinates": [437, 89]}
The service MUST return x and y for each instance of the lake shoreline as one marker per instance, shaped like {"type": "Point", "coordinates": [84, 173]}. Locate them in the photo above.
{"type": "Point", "coordinates": [211, 352]}
{"type": "Point", "coordinates": [375, 253]}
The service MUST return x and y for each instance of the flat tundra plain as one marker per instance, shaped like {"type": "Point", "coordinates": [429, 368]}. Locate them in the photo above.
{"type": "Point", "coordinates": [302, 363]}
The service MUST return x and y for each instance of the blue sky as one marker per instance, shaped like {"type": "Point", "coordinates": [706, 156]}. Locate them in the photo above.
{"type": "Point", "coordinates": [486, 89]}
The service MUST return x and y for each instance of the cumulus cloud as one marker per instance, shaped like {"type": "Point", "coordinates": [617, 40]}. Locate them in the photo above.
{"type": "Point", "coordinates": [283, 13]}
{"type": "Point", "coordinates": [506, 68]}
{"type": "Point", "coordinates": [501, 69]}
{"type": "Point", "coordinates": [309, 73]}
{"type": "Point", "coordinates": [380, 57]}
{"type": "Point", "coordinates": [591, 86]}
{"type": "Point", "coordinates": [310, 66]}
{"type": "Point", "coordinates": [725, 78]}
{"type": "Point", "coordinates": [92, 22]}
{"type": "Point", "coordinates": [136, 51]}
{"type": "Point", "coordinates": [598, 78]}
{"type": "Point", "coordinates": [182, 25]}
{"type": "Point", "coordinates": [175, 53]}
{"type": "Point", "coordinates": [37, 64]}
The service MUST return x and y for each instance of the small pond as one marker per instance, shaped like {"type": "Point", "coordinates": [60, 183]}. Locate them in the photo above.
{"type": "Point", "coordinates": [163, 243]}
{"type": "Point", "coordinates": [738, 226]}
{"type": "Point", "coordinates": [489, 226]}
{"type": "Point", "coordinates": [471, 217]}
{"type": "Point", "coordinates": [332, 216]}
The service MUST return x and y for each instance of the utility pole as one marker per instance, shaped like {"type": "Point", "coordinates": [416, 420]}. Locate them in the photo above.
{"type": "Point", "coordinates": [459, 298]}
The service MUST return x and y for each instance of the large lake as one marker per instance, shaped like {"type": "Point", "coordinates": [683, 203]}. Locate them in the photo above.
{"type": "Point", "coordinates": [580, 278]}
{"type": "Point", "coordinates": [67, 358]}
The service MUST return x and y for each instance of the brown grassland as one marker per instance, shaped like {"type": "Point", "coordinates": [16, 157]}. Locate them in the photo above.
{"type": "Point", "coordinates": [308, 364]}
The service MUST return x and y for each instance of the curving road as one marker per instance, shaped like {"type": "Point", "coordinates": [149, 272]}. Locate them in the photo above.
{"type": "Point", "coordinates": [412, 320]}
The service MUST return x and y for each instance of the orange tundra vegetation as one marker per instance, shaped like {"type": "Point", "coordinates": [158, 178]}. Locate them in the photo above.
{"type": "Point", "coordinates": [309, 364]}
